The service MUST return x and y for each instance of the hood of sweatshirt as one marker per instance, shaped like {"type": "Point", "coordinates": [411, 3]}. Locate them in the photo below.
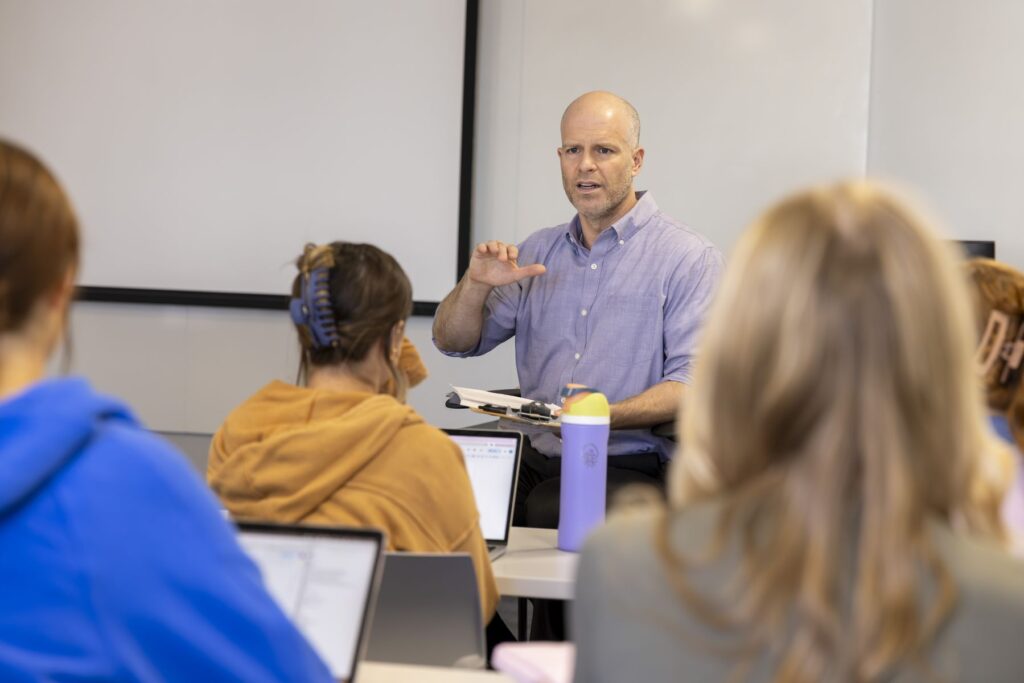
{"type": "Point", "coordinates": [43, 429]}
{"type": "Point", "coordinates": [287, 449]}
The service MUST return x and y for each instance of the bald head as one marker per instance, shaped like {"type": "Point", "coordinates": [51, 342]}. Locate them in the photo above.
{"type": "Point", "coordinates": [610, 108]}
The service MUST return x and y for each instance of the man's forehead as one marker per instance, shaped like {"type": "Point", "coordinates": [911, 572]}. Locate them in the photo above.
{"type": "Point", "coordinates": [594, 130]}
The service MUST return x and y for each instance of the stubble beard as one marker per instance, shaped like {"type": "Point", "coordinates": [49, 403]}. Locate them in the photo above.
{"type": "Point", "coordinates": [599, 213]}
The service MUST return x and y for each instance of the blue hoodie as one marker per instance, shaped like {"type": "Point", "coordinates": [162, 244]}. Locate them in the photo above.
{"type": "Point", "coordinates": [115, 561]}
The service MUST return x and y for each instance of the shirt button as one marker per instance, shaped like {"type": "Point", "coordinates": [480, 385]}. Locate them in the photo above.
{"type": "Point", "coordinates": [622, 241]}
{"type": "Point", "coordinates": [583, 312]}
{"type": "Point", "coordinates": [593, 266]}
{"type": "Point", "coordinates": [577, 356]}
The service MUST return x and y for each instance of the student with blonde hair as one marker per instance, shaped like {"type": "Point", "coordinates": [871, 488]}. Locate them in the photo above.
{"type": "Point", "coordinates": [833, 514]}
{"type": "Point", "coordinates": [115, 561]}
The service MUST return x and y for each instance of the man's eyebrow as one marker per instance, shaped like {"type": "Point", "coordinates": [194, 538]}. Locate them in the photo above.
{"type": "Point", "coordinates": [608, 144]}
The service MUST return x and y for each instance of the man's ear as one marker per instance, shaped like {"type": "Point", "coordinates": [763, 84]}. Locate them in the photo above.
{"type": "Point", "coordinates": [638, 160]}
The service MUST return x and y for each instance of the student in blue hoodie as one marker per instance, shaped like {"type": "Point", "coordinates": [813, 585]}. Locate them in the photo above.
{"type": "Point", "coordinates": [115, 561]}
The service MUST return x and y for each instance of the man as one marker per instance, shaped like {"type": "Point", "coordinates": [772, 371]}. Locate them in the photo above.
{"type": "Point", "coordinates": [613, 300]}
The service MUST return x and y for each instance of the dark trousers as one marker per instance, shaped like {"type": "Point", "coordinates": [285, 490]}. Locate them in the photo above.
{"type": "Point", "coordinates": [537, 501]}
{"type": "Point", "coordinates": [496, 633]}
{"type": "Point", "coordinates": [540, 482]}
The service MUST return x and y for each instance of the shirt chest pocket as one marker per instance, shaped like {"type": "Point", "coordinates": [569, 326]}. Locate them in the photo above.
{"type": "Point", "coordinates": [626, 329]}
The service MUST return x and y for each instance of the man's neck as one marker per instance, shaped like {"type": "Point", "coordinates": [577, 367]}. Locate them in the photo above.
{"type": "Point", "coordinates": [591, 229]}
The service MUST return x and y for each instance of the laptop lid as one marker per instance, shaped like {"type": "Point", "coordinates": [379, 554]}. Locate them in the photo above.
{"type": "Point", "coordinates": [428, 612]}
{"type": "Point", "coordinates": [326, 579]}
{"type": "Point", "coordinates": [492, 460]}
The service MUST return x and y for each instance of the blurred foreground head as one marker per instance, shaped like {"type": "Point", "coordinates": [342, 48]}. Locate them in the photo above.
{"type": "Point", "coordinates": [835, 409]}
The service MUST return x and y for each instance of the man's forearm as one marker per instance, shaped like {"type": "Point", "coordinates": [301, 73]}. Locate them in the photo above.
{"type": "Point", "coordinates": [651, 407]}
{"type": "Point", "coordinates": [460, 317]}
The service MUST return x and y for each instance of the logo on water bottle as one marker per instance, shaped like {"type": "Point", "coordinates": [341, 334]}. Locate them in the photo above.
{"type": "Point", "coordinates": [590, 455]}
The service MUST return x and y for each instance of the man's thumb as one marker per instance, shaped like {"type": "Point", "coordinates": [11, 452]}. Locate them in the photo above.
{"type": "Point", "coordinates": [530, 271]}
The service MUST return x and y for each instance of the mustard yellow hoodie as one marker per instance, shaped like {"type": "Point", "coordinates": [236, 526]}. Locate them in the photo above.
{"type": "Point", "coordinates": [299, 455]}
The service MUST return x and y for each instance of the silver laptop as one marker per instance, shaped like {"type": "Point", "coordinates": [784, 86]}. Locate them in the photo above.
{"type": "Point", "coordinates": [492, 459]}
{"type": "Point", "coordinates": [326, 579]}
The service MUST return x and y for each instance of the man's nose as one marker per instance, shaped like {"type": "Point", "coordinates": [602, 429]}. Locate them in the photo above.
{"type": "Point", "coordinates": [588, 163]}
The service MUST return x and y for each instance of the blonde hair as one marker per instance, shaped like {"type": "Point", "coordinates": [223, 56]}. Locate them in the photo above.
{"type": "Point", "coordinates": [834, 410]}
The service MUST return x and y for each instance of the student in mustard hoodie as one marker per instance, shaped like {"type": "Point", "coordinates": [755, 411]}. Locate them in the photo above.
{"type": "Point", "coordinates": [115, 562]}
{"type": "Point", "coordinates": [342, 447]}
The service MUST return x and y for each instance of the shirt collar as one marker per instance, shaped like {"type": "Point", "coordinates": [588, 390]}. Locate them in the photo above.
{"type": "Point", "coordinates": [625, 227]}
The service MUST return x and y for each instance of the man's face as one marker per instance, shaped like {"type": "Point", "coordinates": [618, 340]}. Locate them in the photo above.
{"type": "Point", "coordinates": [598, 162]}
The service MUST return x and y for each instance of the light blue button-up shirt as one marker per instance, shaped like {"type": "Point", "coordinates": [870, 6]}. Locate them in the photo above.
{"type": "Point", "coordinates": [619, 317]}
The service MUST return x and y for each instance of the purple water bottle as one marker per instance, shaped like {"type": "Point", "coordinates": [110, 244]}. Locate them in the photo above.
{"type": "Point", "coordinates": [585, 425]}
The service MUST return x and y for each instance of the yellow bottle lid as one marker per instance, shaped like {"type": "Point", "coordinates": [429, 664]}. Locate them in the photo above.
{"type": "Point", "coordinates": [584, 402]}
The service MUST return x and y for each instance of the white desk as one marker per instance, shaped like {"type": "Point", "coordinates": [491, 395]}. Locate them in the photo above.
{"type": "Point", "coordinates": [534, 567]}
{"type": "Point", "coordinates": [383, 672]}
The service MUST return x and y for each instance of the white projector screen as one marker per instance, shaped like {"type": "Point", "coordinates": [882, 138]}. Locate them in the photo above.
{"type": "Point", "coordinates": [203, 142]}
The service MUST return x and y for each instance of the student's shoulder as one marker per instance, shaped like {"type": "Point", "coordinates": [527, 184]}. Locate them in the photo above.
{"type": "Point", "coordinates": [133, 447]}
{"type": "Point", "coordinates": [139, 467]}
{"type": "Point", "coordinates": [426, 440]}
{"type": "Point", "coordinates": [634, 542]}
{"type": "Point", "coordinates": [624, 545]}
{"type": "Point", "coordinates": [990, 579]}
{"type": "Point", "coordinates": [633, 530]}
{"type": "Point", "coordinates": [988, 616]}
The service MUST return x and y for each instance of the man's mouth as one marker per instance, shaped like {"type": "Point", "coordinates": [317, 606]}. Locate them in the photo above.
{"type": "Point", "coordinates": [587, 187]}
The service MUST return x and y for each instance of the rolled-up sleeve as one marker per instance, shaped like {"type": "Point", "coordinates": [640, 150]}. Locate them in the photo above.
{"type": "Point", "coordinates": [687, 300]}
{"type": "Point", "coordinates": [500, 311]}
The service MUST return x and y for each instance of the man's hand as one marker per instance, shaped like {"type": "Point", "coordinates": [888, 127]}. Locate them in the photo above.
{"type": "Point", "coordinates": [459, 318]}
{"type": "Point", "coordinates": [494, 264]}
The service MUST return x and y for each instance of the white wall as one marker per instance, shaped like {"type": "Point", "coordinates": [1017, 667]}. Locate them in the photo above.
{"type": "Point", "coordinates": [184, 368]}
{"type": "Point", "coordinates": [947, 113]}
{"type": "Point", "coordinates": [740, 101]}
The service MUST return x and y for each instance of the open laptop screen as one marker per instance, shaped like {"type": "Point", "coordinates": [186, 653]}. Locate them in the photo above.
{"type": "Point", "coordinates": [325, 579]}
{"type": "Point", "coordinates": [492, 460]}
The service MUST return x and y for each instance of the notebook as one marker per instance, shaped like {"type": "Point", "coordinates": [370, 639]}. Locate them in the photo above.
{"type": "Point", "coordinates": [492, 459]}
{"type": "Point", "coordinates": [326, 579]}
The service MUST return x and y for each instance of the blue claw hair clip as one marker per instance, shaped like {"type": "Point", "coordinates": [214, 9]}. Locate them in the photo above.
{"type": "Point", "coordinates": [312, 308]}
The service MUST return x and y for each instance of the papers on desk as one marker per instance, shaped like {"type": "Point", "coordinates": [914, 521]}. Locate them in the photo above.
{"type": "Point", "coordinates": [512, 407]}
{"type": "Point", "coordinates": [537, 662]}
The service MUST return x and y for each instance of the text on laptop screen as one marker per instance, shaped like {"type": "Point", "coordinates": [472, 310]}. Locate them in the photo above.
{"type": "Point", "coordinates": [491, 462]}
{"type": "Point", "coordinates": [322, 584]}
